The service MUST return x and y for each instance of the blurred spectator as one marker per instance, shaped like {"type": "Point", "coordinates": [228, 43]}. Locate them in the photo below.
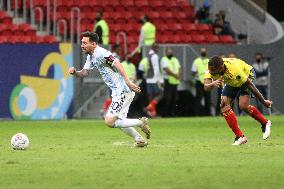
{"type": "Point", "coordinates": [116, 51]}
{"type": "Point", "coordinates": [198, 70]}
{"type": "Point", "coordinates": [232, 55]}
{"type": "Point", "coordinates": [218, 24]}
{"type": "Point", "coordinates": [261, 68]}
{"type": "Point", "coordinates": [154, 80]}
{"type": "Point", "coordinates": [142, 99]}
{"type": "Point", "coordinates": [203, 13]}
{"type": "Point", "coordinates": [129, 68]}
{"type": "Point", "coordinates": [222, 26]}
{"type": "Point", "coordinates": [147, 33]}
{"type": "Point", "coordinates": [171, 67]}
{"type": "Point", "coordinates": [102, 29]}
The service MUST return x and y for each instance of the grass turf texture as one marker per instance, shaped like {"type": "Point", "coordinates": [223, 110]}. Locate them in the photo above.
{"type": "Point", "coordinates": [184, 153]}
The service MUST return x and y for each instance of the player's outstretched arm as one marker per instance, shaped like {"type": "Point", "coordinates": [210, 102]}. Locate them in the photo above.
{"type": "Point", "coordinates": [81, 73]}
{"type": "Point", "coordinates": [255, 91]}
{"type": "Point", "coordinates": [129, 83]}
{"type": "Point", "coordinates": [209, 84]}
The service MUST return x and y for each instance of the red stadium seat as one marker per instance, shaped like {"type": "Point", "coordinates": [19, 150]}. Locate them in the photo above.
{"type": "Point", "coordinates": [7, 32]}
{"type": "Point", "coordinates": [116, 28]}
{"type": "Point", "coordinates": [187, 38]}
{"type": "Point", "coordinates": [109, 9]}
{"type": "Point", "coordinates": [198, 39]}
{"type": "Point", "coordinates": [120, 9]}
{"type": "Point", "coordinates": [31, 32]}
{"type": "Point", "coordinates": [86, 8]}
{"type": "Point", "coordinates": [132, 20]}
{"type": "Point", "coordinates": [153, 15]}
{"type": "Point", "coordinates": [157, 4]}
{"type": "Point", "coordinates": [25, 39]}
{"type": "Point", "coordinates": [87, 27]}
{"type": "Point", "coordinates": [6, 20]}
{"type": "Point", "coordinates": [19, 32]}
{"type": "Point", "coordinates": [86, 21]}
{"type": "Point", "coordinates": [132, 9]}
{"type": "Point", "coordinates": [119, 18]}
{"type": "Point", "coordinates": [24, 27]}
{"type": "Point", "coordinates": [226, 39]}
{"type": "Point", "coordinates": [166, 15]}
{"type": "Point", "coordinates": [14, 39]}
{"type": "Point", "coordinates": [132, 40]}
{"type": "Point", "coordinates": [3, 39]}
{"type": "Point", "coordinates": [141, 3]}
{"type": "Point", "coordinates": [162, 27]}
{"type": "Point", "coordinates": [3, 14]}
{"type": "Point", "coordinates": [213, 38]}
{"type": "Point", "coordinates": [204, 28]}
{"type": "Point", "coordinates": [190, 28]}
{"type": "Point", "coordinates": [162, 38]}
{"type": "Point", "coordinates": [62, 8]}
{"type": "Point", "coordinates": [131, 47]}
{"type": "Point", "coordinates": [127, 3]}
{"type": "Point", "coordinates": [50, 39]}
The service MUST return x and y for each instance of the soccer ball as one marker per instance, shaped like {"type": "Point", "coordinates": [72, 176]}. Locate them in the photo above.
{"type": "Point", "coordinates": [20, 141]}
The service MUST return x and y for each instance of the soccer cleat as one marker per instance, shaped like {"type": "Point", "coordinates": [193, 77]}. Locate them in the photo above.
{"type": "Point", "coordinates": [240, 140]}
{"type": "Point", "coordinates": [145, 128]}
{"type": "Point", "coordinates": [266, 130]}
{"type": "Point", "coordinates": [140, 143]}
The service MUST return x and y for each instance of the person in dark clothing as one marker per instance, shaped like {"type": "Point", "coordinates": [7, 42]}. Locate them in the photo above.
{"type": "Point", "coordinates": [101, 28]}
{"type": "Point", "coordinates": [261, 68]}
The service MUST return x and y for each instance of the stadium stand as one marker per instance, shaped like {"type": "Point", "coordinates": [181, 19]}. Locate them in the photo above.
{"type": "Point", "coordinates": [174, 20]}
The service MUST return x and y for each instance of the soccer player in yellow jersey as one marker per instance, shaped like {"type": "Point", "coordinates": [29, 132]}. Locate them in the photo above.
{"type": "Point", "coordinates": [238, 78]}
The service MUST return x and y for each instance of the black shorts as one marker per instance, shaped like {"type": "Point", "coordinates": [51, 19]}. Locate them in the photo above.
{"type": "Point", "coordinates": [234, 92]}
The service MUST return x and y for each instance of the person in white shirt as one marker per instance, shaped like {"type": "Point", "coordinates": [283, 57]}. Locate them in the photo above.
{"type": "Point", "coordinates": [154, 80]}
{"type": "Point", "coordinates": [123, 90]}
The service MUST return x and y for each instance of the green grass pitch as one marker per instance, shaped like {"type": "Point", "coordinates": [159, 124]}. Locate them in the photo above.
{"type": "Point", "coordinates": [183, 153]}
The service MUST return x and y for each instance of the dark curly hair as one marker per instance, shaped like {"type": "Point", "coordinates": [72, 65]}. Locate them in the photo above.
{"type": "Point", "coordinates": [91, 35]}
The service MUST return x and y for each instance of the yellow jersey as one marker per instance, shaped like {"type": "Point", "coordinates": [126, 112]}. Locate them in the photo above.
{"type": "Point", "coordinates": [236, 74]}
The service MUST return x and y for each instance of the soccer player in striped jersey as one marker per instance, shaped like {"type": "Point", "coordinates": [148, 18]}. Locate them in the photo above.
{"type": "Point", "coordinates": [123, 90]}
{"type": "Point", "coordinates": [238, 77]}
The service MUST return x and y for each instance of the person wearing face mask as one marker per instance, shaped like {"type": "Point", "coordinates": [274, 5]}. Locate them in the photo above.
{"type": "Point", "coordinates": [129, 68]}
{"type": "Point", "coordinates": [261, 68]}
{"type": "Point", "coordinates": [198, 71]}
{"type": "Point", "coordinates": [101, 28]}
{"type": "Point", "coordinates": [171, 69]}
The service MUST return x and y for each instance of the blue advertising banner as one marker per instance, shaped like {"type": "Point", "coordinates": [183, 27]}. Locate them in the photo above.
{"type": "Point", "coordinates": [34, 81]}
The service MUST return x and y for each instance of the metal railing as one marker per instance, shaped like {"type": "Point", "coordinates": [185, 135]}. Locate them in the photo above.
{"type": "Point", "coordinates": [73, 11]}
{"type": "Point", "coordinates": [64, 22]}
{"type": "Point", "coordinates": [1, 4]}
{"type": "Point", "coordinates": [25, 10]}
{"type": "Point", "coordinates": [123, 35]}
{"type": "Point", "coordinates": [54, 17]}
{"type": "Point", "coordinates": [48, 16]}
{"type": "Point", "coordinates": [40, 10]}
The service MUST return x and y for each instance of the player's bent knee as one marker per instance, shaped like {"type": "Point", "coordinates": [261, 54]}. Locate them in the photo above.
{"type": "Point", "coordinates": [109, 123]}
{"type": "Point", "coordinates": [243, 106]}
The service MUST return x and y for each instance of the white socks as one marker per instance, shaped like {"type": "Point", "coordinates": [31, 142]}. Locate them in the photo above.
{"type": "Point", "coordinates": [132, 132]}
{"type": "Point", "coordinates": [124, 123]}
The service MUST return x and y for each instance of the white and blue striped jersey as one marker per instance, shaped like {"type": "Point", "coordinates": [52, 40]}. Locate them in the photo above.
{"type": "Point", "coordinates": [103, 60]}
